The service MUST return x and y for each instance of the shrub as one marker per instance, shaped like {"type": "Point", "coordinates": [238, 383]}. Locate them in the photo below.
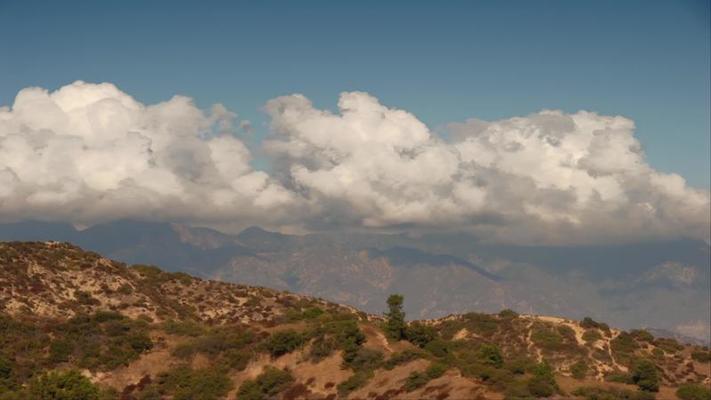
{"type": "Point", "coordinates": [547, 338]}
{"type": "Point", "coordinates": [490, 354]}
{"type": "Point", "coordinates": [436, 370]}
{"type": "Point", "coordinates": [644, 375]}
{"type": "Point", "coordinates": [401, 358]}
{"type": "Point", "coordinates": [508, 314]}
{"type": "Point", "coordinates": [62, 385]}
{"type": "Point", "coordinates": [438, 348]}
{"type": "Point", "coordinates": [642, 335]}
{"type": "Point", "coordinates": [589, 323]}
{"type": "Point", "coordinates": [5, 369]}
{"type": "Point", "coordinates": [273, 380]}
{"type": "Point", "coordinates": [355, 381]}
{"type": "Point", "coordinates": [591, 335]}
{"type": "Point", "coordinates": [623, 347]}
{"type": "Point", "coordinates": [542, 383]}
{"type": "Point", "coordinates": [668, 345]}
{"type": "Point", "coordinates": [619, 377]}
{"type": "Point", "coordinates": [183, 328]}
{"type": "Point", "coordinates": [415, 380]}
{"type": "Point", "coordinates": [597, 393]}
{"type": "Point", "coordinates": [201, 384]}
{"type": "Point", "coordinates": [579, 369]}
{"type": "Point", "coordinates": [701, 356]}
{"type": "Point", "coordinates": [284, 342]}
{"type": "Point", "coordinates": [365, 359]}
{"type": "Point", "coordinates": [420, 334]}
{"type": "Point", "coordinates": [693, 392]}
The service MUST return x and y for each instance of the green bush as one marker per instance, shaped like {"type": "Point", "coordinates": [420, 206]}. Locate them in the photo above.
{"type": "Point", "coordinates": [579, 369]}
{"type": "Point", "coordinates": [644, 375]}
{"type": "Point", "coordinates": [62, 385]}
{"type": "Point", "coordinates": [365, 359]}
{"type": "Point", "coordinates": [619, 377]}
{"type": "Point", "coordinates": [490, 354]}
{"type": "Point", "coordinates": [201, 384]}
{"type": "Point", "coordinates": [669, 345]}
{"type": "Point", "coordinates": [591, 335]}
{"type": "Point", "coordinates": [508, 314]}
{"type": "Point", "coordinates": [691, 391]}
{"type": "Point", "coordinates": [420, 334]}
{"type": "Point", "coordinates": [589, 323]}
{"type": "Point", "coordinates": [269, 383]}
{"type": "Point", "coordinates": [355, 381]}
{"type": "Point", "coordinates": [597, 393]}
{"type": "Point", "coordinates": [438, 348]}
{"type": "Point", "coordinates": [436, 370]}
{"type": "Point", "coordinates": [401, 357]}
{"type": "Point", "coordinates": [701, 356]}
{"type": "Point", "coordinates": [183, 328]}
{"type": "Point", "coordinates": [415, 380]}
{"type": "Point", "coordinates": [642, 335]}
{"type": "Point", "coordinates": [542, 383]}
{"type": "Point", "coordinates": [284, 342]}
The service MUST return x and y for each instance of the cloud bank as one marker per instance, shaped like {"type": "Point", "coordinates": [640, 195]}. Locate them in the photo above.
{"type": "Point", "coordinates": [88, 153]}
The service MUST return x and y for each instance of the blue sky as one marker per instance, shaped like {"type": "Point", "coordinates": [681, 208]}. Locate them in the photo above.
{"type": "Point", "coordinates": [444, 61]}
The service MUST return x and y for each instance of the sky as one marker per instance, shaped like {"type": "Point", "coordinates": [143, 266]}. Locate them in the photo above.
{"type": "Point", "coordinates": [444, 65]}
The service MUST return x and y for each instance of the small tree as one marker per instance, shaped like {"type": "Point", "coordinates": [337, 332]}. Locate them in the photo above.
{"type": "Point", "coordinates": [395, 325]}
{"type": "Point", "coordinates": [644, 375]}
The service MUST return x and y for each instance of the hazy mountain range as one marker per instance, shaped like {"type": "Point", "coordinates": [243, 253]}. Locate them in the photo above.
{"type": "Point", "coordinates": [662, 285]}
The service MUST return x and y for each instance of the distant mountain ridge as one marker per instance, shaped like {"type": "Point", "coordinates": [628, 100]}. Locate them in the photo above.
{"type": "Point", "coordinates": [665, 285]}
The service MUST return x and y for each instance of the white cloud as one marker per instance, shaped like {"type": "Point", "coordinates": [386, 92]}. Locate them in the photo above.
{"type": "Point", "coordinates": [88, 153]}
{"type": "Point", "coordinates": [549, 177]}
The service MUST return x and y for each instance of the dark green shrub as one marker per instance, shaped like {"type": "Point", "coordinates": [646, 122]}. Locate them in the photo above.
{"type": "Point", "coordinates": [579, 369]}
{"type": "Point", "coordinates": [436, 370]}
{"type": "Point", "coordinates": [642, 335]}
{"type": "Point", "coordinates": [62, 385]}
{"type": "Point", "coordinates": [438, 348]}
{"type": "Point", "coordinates": [701, 356]}
{"type": "Point", "coordinates": [644, 375]}
{"type": "Point", "coordinates": [691, 391]}
{"type": "Point", "coordinates": [355, 381]}
{"type": "Point", "coordinates": [183, 328]}
{"type": "Point", "coordinates": [589, 323]}
{"type": "Point", "coordinates": [591, 335]}
{"type": "Point", "coordinates": [273, 381]}
{"type": "Point", "coordinates": [508, 314]}
{"type": "Point", "coordinates": [619, 377]}
{"type": "Point", "coordinates": [399, 358]}
{"type": "Point", "coordinates": [490, 354]}
{"type": "Point", "coordinates": [284, 342]}
{"type": "Point", "coordinates": [542, 383]}
{"type": "Point", "coordinates": [598, 393]}
{"type": "Point", "coordinates": [420, 334]}
{"type": "Point", "coordinates": [201, 384]}
{"type": "Point", "coordinates": [60, 350]}
{"type": "Point", "coordinates": [365, 359]}
{"type": "Point", "coordinates": [415, 380]}
{"type": "Point", "coordinates": [669, 345]}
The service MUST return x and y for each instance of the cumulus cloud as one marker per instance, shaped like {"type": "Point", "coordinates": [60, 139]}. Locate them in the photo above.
{"type": "Point", "coordinates": [549, 177]}
{"type": "Point", "coordinates": [88, 153]}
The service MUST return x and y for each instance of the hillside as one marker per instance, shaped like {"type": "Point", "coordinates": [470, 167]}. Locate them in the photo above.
{"type": "Point", "coordinates": [660, 285]}
{"type": "Point", "coordinates": [137, 332]}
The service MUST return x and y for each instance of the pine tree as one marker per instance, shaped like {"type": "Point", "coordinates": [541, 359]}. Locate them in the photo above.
{"type": "Point", "coordinates": [395, 325]}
